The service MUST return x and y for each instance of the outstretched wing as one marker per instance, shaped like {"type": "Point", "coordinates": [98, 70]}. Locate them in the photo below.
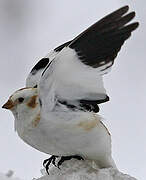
{"type": "Point", "coordinates": [100, 44]}
{"type": "Point", "coordinates": [76, 72]}
{"type": "Point", "coordinates": [36, 72]}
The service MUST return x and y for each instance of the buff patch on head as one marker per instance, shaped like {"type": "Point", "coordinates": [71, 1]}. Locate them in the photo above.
{"type": "Point", "coordinates": [32, 103]}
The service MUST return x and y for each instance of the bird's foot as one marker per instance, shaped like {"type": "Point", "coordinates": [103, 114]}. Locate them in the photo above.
{"type": "Point", "coordinates": [49, 161]}
{"type": "Point", "coordinates": [66, 158]}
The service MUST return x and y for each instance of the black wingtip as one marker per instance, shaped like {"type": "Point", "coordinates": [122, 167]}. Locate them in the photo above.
{"type": "Point", "coordinates": [121, 11]}
{"type": "Point", "coordinates": [131, 15]}
{"type": "Point", "coordinates": [124, 19]}
{"type": "Point", "coordinates": [104, 39]}
{"type": "Point", "coordinates": [132, 26]}
{"type": "Point", "coordinates": [124, 9]}
{"type": "Point", "coordinates": [136, 25]}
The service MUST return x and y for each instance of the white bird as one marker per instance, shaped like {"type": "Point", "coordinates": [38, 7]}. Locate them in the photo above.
{"type": "Point", "coordinates": [58, 116]}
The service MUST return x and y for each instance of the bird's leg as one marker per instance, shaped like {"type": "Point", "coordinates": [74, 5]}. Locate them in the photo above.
{"type": "Point", "coordinates": [53, 161]}
{"type": "Point", "coordinates": [66, 158]}
{"type": "Point", "coordinates": [47, 162]}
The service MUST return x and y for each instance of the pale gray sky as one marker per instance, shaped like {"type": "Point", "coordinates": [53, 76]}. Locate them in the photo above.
{"type": "Point", "coordinates": [28, 30]}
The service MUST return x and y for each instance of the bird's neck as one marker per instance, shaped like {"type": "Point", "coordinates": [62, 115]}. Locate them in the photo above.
{"type": "Point", "coordinates": [24, 120]}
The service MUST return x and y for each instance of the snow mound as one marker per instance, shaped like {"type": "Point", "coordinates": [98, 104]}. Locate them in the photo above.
{"type": "Point", "coordinates": [7, 176]}
{"type": "Point", "coordinates": [83, 170]}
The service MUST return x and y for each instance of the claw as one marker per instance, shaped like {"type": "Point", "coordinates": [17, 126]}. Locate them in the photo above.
{"type": "Point", "coordinates": [47, 163]}
{"type": "Point", "coordinates": [66, 158]}
{"type": "Point", "coordinates": [53, 161]}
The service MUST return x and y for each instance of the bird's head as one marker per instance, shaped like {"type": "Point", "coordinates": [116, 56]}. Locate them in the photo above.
{"type": "Point", "coordinates": [22, 101]}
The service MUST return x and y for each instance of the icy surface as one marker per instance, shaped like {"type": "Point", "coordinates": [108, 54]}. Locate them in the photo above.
{"type": "Point", "coordinates": [83, 170]}
{"type": "Point", "coordinates": [8, 176]}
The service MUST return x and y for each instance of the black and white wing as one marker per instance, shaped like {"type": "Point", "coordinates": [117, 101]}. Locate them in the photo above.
{"type": "Point", "coordinates": [36, 72]}
{"type": "Point", "coordinates": [75, 74]}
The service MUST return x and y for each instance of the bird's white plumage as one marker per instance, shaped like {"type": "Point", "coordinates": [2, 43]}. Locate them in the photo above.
{"type": "Point", "coordinates": [67, 78]}
{"type": "Point", "coordinates": [63, 133]}
{"type": "Point", "coordinates": [33, 80]}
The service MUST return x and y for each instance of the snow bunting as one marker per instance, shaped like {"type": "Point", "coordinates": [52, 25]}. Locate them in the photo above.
{"type": "Point", "coordinates": [57, 117]}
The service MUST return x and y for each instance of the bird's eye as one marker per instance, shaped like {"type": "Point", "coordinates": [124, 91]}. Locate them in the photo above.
{"type": "Point", "coordinates": [21, 99]}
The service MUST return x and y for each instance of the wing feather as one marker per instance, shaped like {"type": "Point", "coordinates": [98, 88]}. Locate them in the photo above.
{"type": "Point", "coordinates": [36, 72]}
{"type": "Point", "coordinates": [102, 41]}
{"type": "Point", "coordinates": [76, 72]}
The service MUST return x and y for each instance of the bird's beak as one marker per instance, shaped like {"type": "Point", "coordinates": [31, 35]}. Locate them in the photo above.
{"type": "Point", "coordinates": [8, 105]}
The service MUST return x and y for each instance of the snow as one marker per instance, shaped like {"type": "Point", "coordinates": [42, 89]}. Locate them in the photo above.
{"type": "Point", "coordinates": [83, 170]}
{"type": "Point", "coordinates": [8, 176]}
{"type": "Point", "coordinates": [76, 170]}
